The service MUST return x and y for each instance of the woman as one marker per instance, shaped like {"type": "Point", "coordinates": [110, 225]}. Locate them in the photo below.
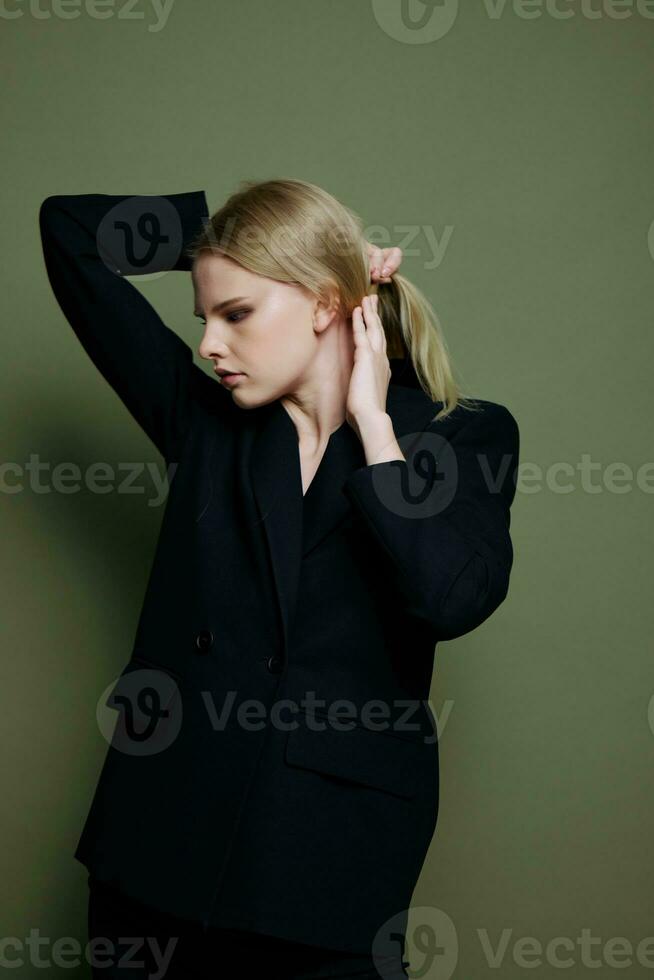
{"type": "Point", "coordinates": [335, 509]}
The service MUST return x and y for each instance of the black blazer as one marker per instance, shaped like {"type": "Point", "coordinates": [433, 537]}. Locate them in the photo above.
{"type": "Point", "coordinates": [274, 766]}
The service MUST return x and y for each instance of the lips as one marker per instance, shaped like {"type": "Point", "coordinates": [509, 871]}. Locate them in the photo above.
{"type": "Point", "coordinates": [228, 377]}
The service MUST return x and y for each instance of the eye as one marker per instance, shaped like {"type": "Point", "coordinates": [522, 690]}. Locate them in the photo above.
{"type": "Point", "coordinates": [234, 317]}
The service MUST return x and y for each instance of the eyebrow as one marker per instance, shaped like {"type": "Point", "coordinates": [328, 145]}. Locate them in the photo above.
{"type": "Point", "coordinates": [219, 307]}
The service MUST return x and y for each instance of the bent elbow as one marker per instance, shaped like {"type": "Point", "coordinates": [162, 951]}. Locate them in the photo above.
{"type": "Point", "coordinates": [472, 598]}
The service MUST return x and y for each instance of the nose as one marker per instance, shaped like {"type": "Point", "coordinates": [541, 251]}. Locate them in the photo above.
{"type": "Point", "coordinates": [212, 346]}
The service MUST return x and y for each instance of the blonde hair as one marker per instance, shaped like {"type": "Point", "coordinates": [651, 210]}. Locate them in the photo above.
{"type": "Point", "coordinates": [296, 232]}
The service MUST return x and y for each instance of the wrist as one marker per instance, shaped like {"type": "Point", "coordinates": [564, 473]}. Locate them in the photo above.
{"type": "Point", "coordinates": [378, 437]}
{"type": "Point", "coordinates": [375, 421]}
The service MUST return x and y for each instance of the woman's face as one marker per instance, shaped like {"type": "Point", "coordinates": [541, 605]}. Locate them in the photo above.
{"type": "Point", "coordinates": [258, 327]}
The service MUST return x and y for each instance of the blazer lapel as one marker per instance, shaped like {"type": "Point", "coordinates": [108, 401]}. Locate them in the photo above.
{"type": "Point", "coordinates": [277, 486]}
{"type": "Point", "coordinates": [325, 505]}
{"type": "Point", "coordinates": [294, 524]}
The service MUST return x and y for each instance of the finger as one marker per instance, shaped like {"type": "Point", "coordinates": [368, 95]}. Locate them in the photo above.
{"type": "Point", "coordinates": [391, 260]}
{"type": "Point", "coordinates": [358, 327]}
{"type": "Point", "coordinates": [375, 298]}
{"type": "Point", "coordinates": [373, 325]}
{"type": "Point", "coordinates": [376, 260]}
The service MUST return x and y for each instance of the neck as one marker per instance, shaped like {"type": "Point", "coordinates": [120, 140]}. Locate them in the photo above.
{"type": "Point", "coordinates": [317, 405]}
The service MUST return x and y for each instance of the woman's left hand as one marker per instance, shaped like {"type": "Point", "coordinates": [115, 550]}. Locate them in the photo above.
{"type": "Point", "coordinates": [371, 373]}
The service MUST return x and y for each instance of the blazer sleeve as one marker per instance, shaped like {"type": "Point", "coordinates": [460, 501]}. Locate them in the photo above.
{"type": "Point", "coordinates": [148, 365]}
{"type": "Point", "coordinates": [451, 556]}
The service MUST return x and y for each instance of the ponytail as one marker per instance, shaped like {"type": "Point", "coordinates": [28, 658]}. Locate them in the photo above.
{"type": "Point", "coordinates": [413, 330]}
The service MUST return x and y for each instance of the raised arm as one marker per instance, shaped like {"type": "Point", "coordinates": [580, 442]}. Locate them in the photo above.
{"type": "Point", "coordinates": [450, 554]}
{"type": "Point", "coordinates": [89, 242]}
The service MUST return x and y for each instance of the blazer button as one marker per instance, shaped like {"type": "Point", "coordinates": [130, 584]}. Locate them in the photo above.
{"type": "Point", "coordinates": [274, 665]}
{"type": "Point", "coordinates": [204, 640]}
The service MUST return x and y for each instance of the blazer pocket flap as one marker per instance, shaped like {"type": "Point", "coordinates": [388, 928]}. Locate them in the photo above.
{"type": "Point", "coordinates": [376, 759]}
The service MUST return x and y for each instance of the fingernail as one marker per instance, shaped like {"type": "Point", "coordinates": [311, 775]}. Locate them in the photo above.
{"type": "Point", "coordinates": [385, 271]}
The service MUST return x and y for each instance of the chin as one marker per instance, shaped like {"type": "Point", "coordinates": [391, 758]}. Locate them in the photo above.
{"type": "Point", "coordinates": [245, 399]}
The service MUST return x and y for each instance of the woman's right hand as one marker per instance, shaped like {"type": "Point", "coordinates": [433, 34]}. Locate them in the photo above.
{"type": "Point", "coordinates": [384, 262]}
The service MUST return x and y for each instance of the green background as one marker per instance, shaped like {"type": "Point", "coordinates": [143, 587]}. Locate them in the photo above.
{"type": "Point", "coordinates": [530, 139]}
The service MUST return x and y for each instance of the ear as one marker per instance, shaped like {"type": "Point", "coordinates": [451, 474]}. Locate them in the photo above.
{"type": "Point", "coordinates": [326, 309]}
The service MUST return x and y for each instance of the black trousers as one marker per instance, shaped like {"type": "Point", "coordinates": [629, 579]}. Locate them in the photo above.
{"type": "Point", "coordinates": [130, 940]}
